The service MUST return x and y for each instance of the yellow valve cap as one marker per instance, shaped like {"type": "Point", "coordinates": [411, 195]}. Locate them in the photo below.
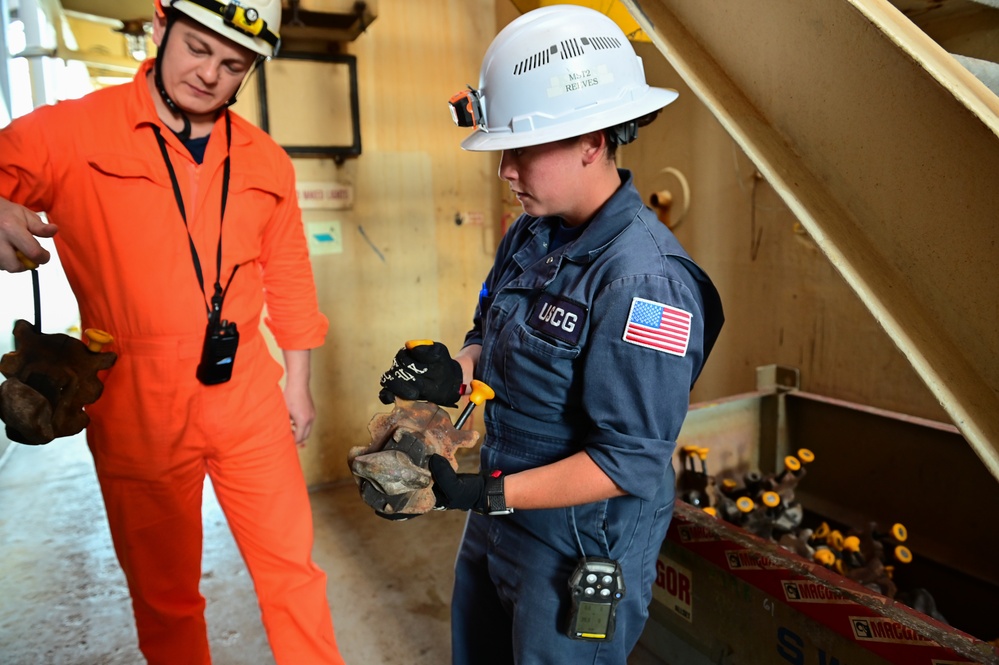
{"type": "Point", "coordinates": [835, 539]}
{"type": "Point", "coordinates": [710, 510]}
{"type": "Point", "coordinates": [413, 343]}
{"type": "Point", "coordinates": [690, 450]}
{"type": "Point", "coordinates": [771, 499]}
{"type": "Point", "coordinates": [822, 531]}
{"type": "Point", "coordinates": [97, 339]}
{"type": "Point", "coordinates": [806, 455]}
{"type": "Point", "coordinates": [899, 532]}
{"type": "Point", "coordinates": [792, 463]}
{"type": "Point", "coordinates": [729, 484]}
{"type": "Point", "coordinates": [745, 504]}
{"type": "Point", "coordinates": [851, 544]}
{"type": "Point", "coordinates": [825, 557]}
{"type": "Point", "coordinates": [902, 554]}
{"type": "Point", "coordinates": [703, 453]}
{"type": "Point", "coordinates": [480, 393]}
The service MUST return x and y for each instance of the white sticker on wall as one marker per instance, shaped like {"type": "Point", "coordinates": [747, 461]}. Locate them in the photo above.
{"type": "Point", "coordinates": [324, 237]}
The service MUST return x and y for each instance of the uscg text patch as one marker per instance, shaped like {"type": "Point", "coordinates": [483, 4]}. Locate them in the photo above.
{"type": "Point", "coordinates": [558, 317]}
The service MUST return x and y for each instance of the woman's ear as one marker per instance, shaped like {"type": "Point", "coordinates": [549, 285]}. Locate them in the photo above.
{"type": "Point", "coordinates": [593, 146]}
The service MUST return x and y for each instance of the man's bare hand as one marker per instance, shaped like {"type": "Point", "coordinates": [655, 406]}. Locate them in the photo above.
{"type": "Point", "coordinates": [18, 230]}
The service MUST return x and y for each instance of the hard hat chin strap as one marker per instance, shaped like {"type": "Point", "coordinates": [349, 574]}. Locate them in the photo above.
{"type": "Point", "coordinates": [184, 133]}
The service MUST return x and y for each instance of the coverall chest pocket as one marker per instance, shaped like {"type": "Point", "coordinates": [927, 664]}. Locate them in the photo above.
{"type": "Point", "coordinates": [538, 375]}
{"type": "Point", "coordinates": [253, 201]}
{"type": "Point", "coordinates": [123, 186]}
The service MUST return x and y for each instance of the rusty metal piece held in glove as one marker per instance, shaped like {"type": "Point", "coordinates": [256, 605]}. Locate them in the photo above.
{"type": "Point", "coordinates": [392, 472]}
{"type": "Point", "coordinates": [50, 377]}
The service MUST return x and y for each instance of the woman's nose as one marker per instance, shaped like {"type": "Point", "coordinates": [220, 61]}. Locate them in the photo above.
{"type": "Point", "coordinates": [506, 170]}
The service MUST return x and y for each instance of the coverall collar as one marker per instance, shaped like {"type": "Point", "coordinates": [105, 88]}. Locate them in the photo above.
{"type": "Point", "coordinates": [609, 222]}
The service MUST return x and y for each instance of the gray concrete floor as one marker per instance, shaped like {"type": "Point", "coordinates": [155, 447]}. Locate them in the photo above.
{"type": "Point", "coordinates": [63, 599]}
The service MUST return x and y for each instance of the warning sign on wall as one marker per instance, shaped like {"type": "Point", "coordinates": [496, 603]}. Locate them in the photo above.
{"type": "Point", "coordinates": [325, 195]}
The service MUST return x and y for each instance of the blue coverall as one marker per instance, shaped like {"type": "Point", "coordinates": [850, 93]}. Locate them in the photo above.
{"type": "Point", "coordinates": [565, 346]}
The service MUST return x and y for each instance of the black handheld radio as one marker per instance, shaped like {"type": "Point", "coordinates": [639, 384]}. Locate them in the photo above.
{"type": "Point", "coordinates": [219, 351]}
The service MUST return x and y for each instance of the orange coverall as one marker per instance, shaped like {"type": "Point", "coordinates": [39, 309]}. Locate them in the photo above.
{"type": "Point", "coordinates": [95, 167]}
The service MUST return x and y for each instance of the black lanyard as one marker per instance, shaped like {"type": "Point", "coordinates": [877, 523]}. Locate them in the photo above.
{"type": "Point", "coordinates": [215, 311]}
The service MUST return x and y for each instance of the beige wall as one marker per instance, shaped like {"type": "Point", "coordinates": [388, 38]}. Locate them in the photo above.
{"type": "Point", "coordinates": [784, 301]}
{"type": "Point", "coordinates": [407, 270]}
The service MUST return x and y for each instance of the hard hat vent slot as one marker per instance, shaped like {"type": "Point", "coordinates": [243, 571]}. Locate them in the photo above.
{"type": "Point", "coordinates": [536, 60]}
{"type": "Point", "coordinates": [600, 43]}
{"type": "Point", "coordinates": [571, 49]}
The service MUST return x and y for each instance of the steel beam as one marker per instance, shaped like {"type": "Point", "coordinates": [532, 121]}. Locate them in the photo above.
{"type": "Point", "coordinates": [887, 151]}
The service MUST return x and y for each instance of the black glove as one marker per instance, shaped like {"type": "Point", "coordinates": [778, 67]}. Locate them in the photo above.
{"type": "Point", "coordinates": [424, 372]}
{"type": "Point", "coordinates": [481, 492]}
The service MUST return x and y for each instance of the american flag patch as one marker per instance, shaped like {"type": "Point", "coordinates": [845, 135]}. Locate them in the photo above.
{"type": "Point", "coordinates": [658, 326]}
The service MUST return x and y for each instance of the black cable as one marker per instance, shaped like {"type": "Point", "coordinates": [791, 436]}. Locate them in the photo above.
{"type": "Point", "coordinates": [37, 292]}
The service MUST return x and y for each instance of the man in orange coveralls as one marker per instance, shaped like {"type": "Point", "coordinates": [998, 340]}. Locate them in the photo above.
{"type": "Point", "coordinates": [139, 179]}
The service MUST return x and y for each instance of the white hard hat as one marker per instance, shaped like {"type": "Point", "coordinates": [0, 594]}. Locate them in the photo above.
{"type": "Point", "coordinates": [254, 24]}
{"type": "Point", "coordinates": [554, 73]}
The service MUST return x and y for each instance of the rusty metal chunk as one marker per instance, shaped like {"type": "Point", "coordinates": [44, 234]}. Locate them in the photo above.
{"type": "Point", "coordinates": [388, 469]}
{"type": "Point", "coordinates": [55, 369]}
{"type": "Point", "coordinates": [392, 472]}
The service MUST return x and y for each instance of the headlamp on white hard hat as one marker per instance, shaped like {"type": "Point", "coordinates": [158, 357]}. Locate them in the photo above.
{"type": "Point", "coordinates": [466, 108]}
{"type": "Point", "coordinates": [254, 26]}
{"type": "Point", "coordinates": [246, 19]}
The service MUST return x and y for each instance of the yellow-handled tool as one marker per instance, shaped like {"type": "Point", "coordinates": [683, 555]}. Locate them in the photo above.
{"type": "Point", "coordinates": [480, 393]}
{"type": "Point", "coordinates": [25, 261]}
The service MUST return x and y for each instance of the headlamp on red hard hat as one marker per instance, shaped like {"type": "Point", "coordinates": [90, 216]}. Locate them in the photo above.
{"type": "Point", "coordinates": [466, 109]}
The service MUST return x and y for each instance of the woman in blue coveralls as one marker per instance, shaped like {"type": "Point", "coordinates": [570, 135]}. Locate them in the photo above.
{"type": "Point", "coordinates": [591, 328]}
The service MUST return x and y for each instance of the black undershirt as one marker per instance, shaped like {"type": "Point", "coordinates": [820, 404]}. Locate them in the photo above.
{"type": "Point", "coordinates": [562, 234]}
{"type": "Point", "coordinates": [195, 146]}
